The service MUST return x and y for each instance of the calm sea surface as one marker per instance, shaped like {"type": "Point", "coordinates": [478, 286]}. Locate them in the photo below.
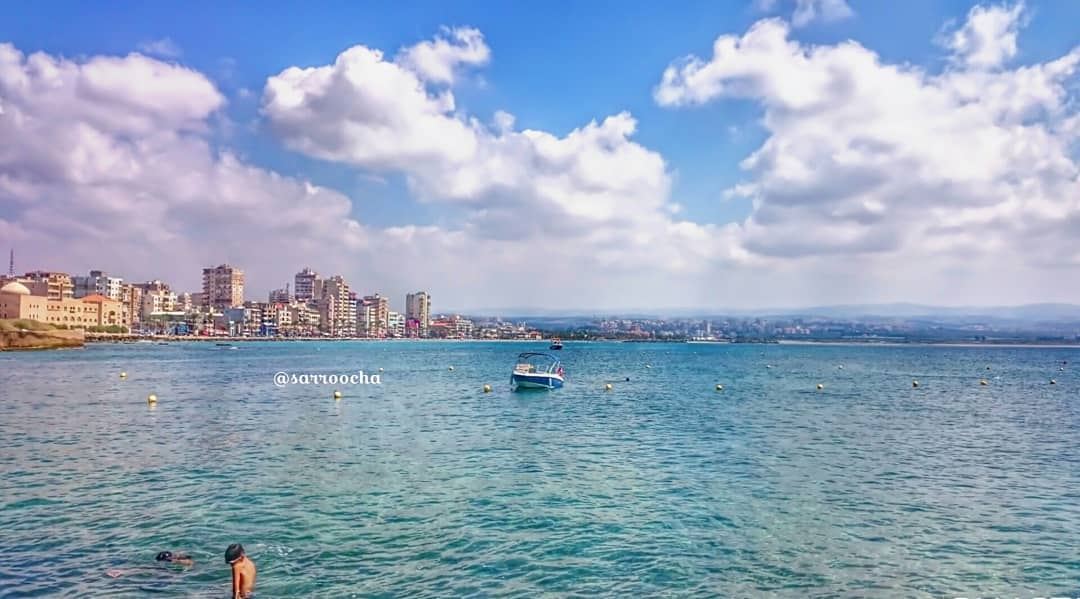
{"type": "Point", "coordinates": [426, 487]}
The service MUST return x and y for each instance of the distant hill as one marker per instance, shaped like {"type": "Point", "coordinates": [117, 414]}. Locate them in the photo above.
{"type": "Point", "coordinates": [1046, 312]}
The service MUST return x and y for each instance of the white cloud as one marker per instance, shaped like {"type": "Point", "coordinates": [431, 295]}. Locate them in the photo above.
{"type": "Point", "coordinates": [164, 47]}
{"type": "Point", "coordinates": [105, 165]}
{"type": "Point", "coordinates": [593, 191]}
{"type": "Point", "coordinates": [890, 166]}
{"type": "Point", "coordinates": [438, 60]}
{"type": "Point", "coordinates": [806, 12]}
{"type": "Point", "coordinates": [988, 37]}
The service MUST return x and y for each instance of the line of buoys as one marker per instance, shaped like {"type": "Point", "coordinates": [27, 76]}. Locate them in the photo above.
{"type": "Point", "coordinates": [487, 388]}
{"type": "Point", "coordinates": [915, 384]}
{"type": "Point", "coordinates": [608, 387]}
{"type": "Point", "coordinates": [151, 399]}
{"type": "Point", "coordinates": [337, 394]}
{"type": "Point", "coordinates": [719, 387]}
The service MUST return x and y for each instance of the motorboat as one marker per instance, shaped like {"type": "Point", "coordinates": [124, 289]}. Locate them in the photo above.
{"type": "Point", "coordinates": [535, 370]}
{"type": "Point", "coordinates": [556, 343]}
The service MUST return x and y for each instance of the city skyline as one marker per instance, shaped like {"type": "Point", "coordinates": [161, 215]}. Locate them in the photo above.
{"type": "Point", "coordinates": [777, 153]}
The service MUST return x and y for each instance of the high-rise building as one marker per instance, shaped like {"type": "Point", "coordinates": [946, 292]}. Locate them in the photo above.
{"type": "Point", "coordinates": [51, 285]}
{"type": "Point", "coordinates": [418, 309]}
{"type": "Point", "coordinates": [223, 287]}
{"type": "Point", "coordinates": [374, 315]}
{"type": "Point", "coordinates": [307, 285]}
{"type": "Point", "coordinates": [395, 324]}
{"type": "Point", "coordinates": [100, 283]}
{"type": "Point", "coordinates": [337, 307]}
{"type": "Point", "coordinates": [280, 296]}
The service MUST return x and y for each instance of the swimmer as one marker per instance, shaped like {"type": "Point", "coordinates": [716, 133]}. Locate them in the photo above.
{"type": "Point", "coordinates": [175, 558]}
{"type": "Point", "coordinates": [181, 559]}
{"type": "Point", "coordinates": [243, 571]}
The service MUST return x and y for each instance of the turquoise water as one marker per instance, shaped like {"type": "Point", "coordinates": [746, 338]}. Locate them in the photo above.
{"type": "Point", "coordinates": [424, 486]}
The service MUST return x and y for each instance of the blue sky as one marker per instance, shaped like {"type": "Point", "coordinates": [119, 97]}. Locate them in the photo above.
{"type": "Point", "coordinates": [555, 67]}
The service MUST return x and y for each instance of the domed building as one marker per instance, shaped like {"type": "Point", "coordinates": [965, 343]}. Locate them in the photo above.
{"type": "Point", "coordinates": [16, 302]}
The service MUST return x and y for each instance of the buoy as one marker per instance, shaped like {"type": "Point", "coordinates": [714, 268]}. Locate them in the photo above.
{"type": "Point", "coordinates": [1053, 382]}
{"type": "Point", "coordinates": [719, 387]}
{"type": "Point", "coordinates": [820, 386]}
{"type": "Point", "coordinates": [487, 388]}
{"type": "Point", "coordinates": [380, 369]}
{"type": "Point", "coordinates": [607, 387]}
{"type": "Point", "coordinates": [841, 367]}
{"type": "Point", "coordinates": [123, 375]}
{"type": "Point", "coordinates": [988, 368]}
{"type": "Point", "coordinates": [914, 383]}
{"type": "Point", "coordinates": [648, 366]}
{"type": "Point", "coordinates": [983, 382]}
{"type": "Point", "coordinates": [1062, 369]}
{"type": "Point", "coordinates": [451, 368]}
{"type": "Point", "coordinates": [768, 366]}
{"type": "Point", "coordinates": [337, 394]}
{"type": "Point", "coordinates": [151, 398]}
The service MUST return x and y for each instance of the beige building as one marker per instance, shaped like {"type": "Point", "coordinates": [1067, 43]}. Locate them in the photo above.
{"type": "Point", "coordinates": [374, 314]}
{"type": "Point", "coordinates": [51, 285]}
{"type": "Point", "coordinates": [223, 287]}
{"type": "Point", "coordinates": [16, 301]}
{"type": "Point", "coordinates": [418, 310]}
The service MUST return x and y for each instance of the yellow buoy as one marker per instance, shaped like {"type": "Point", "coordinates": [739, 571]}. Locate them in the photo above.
{"type": "Point", "coordinates": [151, 398]}
{"type": "Point", "coordinates": [337, 394]}
{"type": "Point", "coordinates": [123, 375]}
{"type": "Point", "coordinates": [487, 388]}
{"type": "Point", "coordinates": [914, 383]}
{"type": "Point", "coordinates": [607, 387]}
{"type": "Point", "coordinates": [719, 387]}
{"type": "Point", "coordinates": [983, 382]}
{"type": "Point", "coordinates": [820, 386]}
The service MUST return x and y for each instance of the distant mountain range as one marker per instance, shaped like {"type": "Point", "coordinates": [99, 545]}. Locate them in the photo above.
{"type": "Point", "coordinates": [1047, 312]}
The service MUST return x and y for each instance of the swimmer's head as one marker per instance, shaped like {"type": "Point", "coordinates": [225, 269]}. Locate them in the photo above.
{"type": "Point", "coordinates": [234, 552]}
{"type": "Point", "coordinates": [165, 556]}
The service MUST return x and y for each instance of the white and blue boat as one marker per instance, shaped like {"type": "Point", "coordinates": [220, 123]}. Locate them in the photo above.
{"type": "Point", "coordinates": [536, 370]}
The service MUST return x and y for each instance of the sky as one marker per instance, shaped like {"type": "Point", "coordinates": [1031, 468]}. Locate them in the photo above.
{"type": "Point", "coordinates": [565, 156]}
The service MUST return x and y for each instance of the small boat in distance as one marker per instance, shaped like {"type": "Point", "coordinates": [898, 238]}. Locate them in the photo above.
{"type": "Point", "coordinates": [536, 370]}
{"type": "Point", "coordinates": [556, 343]}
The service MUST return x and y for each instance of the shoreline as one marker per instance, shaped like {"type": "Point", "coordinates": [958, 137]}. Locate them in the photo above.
{"type": "Point", "coordinates": [96, 338]}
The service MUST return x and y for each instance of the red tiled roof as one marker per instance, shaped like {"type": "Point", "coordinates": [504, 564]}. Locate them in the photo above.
{"type": "Point", "coordinates": [96, 298]}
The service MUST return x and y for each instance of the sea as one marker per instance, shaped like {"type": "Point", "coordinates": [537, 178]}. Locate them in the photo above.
{"type": "Point", "coordinates": [425, 485]}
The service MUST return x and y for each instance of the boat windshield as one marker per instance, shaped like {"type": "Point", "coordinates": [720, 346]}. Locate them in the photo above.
{"type": "Point", "coordinates": [536, 363]}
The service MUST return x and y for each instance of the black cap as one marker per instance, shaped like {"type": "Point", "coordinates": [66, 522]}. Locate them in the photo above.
{"type": "Point", "coordinates": [164, 556]}
{"type": "Point", "coordinates": [234, 552]}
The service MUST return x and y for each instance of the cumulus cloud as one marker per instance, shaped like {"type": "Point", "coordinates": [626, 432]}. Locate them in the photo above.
{"type": "Point", "coordinates": [988, 37]}
{"type": "Point", "coordinates": [593, 190]}
{"type": "Point", "coordinates": [909, 170]}
{"type": "Point", "coordinates": [439, 59]}
{"type": "Point", "coordinates": [806, 12]}
{"type": "Point", "coordinates": [105, 164]}
{"type": "Point", "coordinates": [164, 47]}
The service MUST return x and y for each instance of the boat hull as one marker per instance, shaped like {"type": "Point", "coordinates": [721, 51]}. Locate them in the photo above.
{"type": "Point", "coordinates": [535, 381]}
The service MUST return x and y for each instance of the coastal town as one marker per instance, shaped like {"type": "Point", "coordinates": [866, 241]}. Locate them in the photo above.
{"type": "Point", "coordinates": [314, 306]}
